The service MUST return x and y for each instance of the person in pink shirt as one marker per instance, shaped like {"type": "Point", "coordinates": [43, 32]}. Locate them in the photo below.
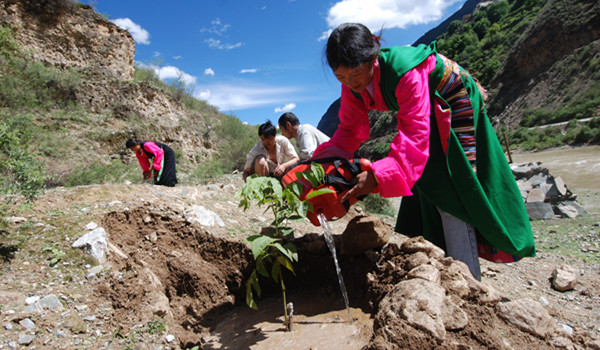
{"type": "Point", "coordinates": [445, 159]}
{"type": "Point", "coordinates": [163, 161]}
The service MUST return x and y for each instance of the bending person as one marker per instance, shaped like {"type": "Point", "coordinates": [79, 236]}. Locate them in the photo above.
{"type": "Point", "coordinates": [163, 161]}
{"type": "Point", "coordinates": [445, 160]}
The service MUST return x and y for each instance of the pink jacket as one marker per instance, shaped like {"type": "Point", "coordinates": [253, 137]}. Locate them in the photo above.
{"type": "Point", "coordinates": [409, 150]}
{"type": "Point", "coordinates": [142, 157]}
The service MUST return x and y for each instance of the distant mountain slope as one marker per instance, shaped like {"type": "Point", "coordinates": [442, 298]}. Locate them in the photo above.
{"type": "Point", "coordinates": [467, 8]}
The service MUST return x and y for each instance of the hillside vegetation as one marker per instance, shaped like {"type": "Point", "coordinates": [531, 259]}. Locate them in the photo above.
{"type": "Point", "coordinates": [67, 125]}
{"type": "Point", "coordinates": [540, 60]}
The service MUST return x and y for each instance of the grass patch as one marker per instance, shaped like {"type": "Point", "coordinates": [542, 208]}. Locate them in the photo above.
{"type": "Point", "coordinates": [569, 237]}
{"type": "Point", "coordinates": [111, 172]}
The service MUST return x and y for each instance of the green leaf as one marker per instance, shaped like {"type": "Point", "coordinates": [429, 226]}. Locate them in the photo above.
{"type": "Point", "coordinates": [292, 249]}
{"type": "Point", "coordinates": [260, 244]}
{"type": "Point", "coordinates": [282, 250]}
{"type": "Point", "coordinates": [260, 267]}
{"type": "Point", "coordinates": [319, 192]}
{"type": "Point", "coordinates": [276, 272]}
{"type": "Point", "coordinates": [295, 188]}
{"type": "Point", "coordinates": [285, 262]}
{"type": "Point", "coordinates": [287, 232]}
{"type": "Point", "coordinates": [252, 282]}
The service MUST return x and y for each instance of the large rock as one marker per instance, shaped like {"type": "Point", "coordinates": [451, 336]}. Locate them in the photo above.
{"type": "Point", "coordinates": [564, 278]}
{"type": "Point", "coordinates": [423, 305]}
{"type": "Point", "coordinates": [363, 233]}
{"type": "Point", "coordinates": [539, 210]}
{"type": "Point", "coordinates": [95, 242]}
{"type": "Point", "coordinates": [529, 316]}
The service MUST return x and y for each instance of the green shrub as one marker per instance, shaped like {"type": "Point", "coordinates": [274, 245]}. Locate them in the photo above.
{"type": "Point", "coordinates": [238, 138]}
{"type": "Point", "coordinates": [375, 204]}
{"type": "Point", "coordinates": [209, 170]}
{"type": "Point", "coordinates": [20, 171]}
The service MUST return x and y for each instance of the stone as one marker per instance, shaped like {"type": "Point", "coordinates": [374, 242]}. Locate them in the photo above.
{"type": "Point", "coordinates": [203, 216]}
{"type": "Point", "coordinates": [580, 210]}
{"type": "Point", "coordinates": [426, 272]}
{"type": "Point", "coordinates": [95, 242]}
{"type": "Point", "coordinates": [566, 211]}
{"type": "Point", "coordinates": [51, 301]}
{"type": "Point", "coordinates": [27, 323]}
{"type": "Point", "coordinates": [425, 306]}
{"type": "Point", "coordinates": [419, 244]}
{"type": "Point", "coordinates": [562, 343]}
{"type": "Point", "coordinates": [529, 316]}
{"type": "Point", "coordinates": [16, 219]}
{"type": "Point", "coordinates": [564, 278]}
{"type": "Point", "coordinates": [26, 339]}
{"type": "Point", "coordinates": [536, 195]}
{"type": "Point", "coordinates": [538, 179]}
{"type": "Point", "coordinates": [363, 233]}
{"type": "Point", "coordinates": [91, 226]}
{"type": "Point", "coordinates": [539, 211]}
{"type": "Point", "coordinates": [416, 259]}
{"type": "Point", "coordinates": [156, 298]}
{"type": "Point", "coordinates": [560, 186]}
{"type": "Point", "coordinates": [525, 170]}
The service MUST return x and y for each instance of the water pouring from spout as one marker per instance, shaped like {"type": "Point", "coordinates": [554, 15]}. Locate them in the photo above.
{"type": "Point", "coordinates": [331, 245]}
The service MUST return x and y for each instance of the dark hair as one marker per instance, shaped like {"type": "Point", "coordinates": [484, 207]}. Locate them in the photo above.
{"type": "Point", "coordinates": [350, 45]}
{"type": "Point", "coordinates": [267, 129]}
{"type": "Point", "coordinates": [131, 142]}
{"type": "Point", "coordinates": [288, 117]}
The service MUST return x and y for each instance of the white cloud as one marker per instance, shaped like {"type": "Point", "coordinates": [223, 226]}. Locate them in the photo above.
{"type": "Point", "coordinates": [251, 70]}
{"type": "Point", "coordinates": [209, 71]}
{"type": "Point", "coordinates": [378, 14]}
{"type": "Point", "coordinates": [288, 107]}
{"type": "Point", "coordinates": [139, 34]}
{"type": "Point", "coordinates": [177, 57]}
{"type": "Point", "coordinates": [172, 72]}
{"type": "Point", "coordinates": [216, 27]}
{"type": "Point", "coordinates": [236, 96]}
{"type": "Point", "coordinates": [217, 44]}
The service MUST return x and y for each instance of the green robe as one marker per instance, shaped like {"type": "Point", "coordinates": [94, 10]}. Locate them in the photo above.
{"type": "Point", "coordinates": [489, 199]}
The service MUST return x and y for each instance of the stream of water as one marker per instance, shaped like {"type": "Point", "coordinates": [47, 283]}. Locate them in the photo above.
{"type": "Point", "coordinates": [331, 245]}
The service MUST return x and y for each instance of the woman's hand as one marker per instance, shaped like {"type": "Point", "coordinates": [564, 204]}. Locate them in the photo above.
{"type": "Point", "coordinates": [147, 174]}
{"type": "Point", "coordinates": [365, 184]}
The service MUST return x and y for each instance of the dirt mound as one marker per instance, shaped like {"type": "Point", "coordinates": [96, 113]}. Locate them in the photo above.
{"type": "Point", "coordinates": [163, 266]}
{"type": "Point", "coordinates": [166, 267]}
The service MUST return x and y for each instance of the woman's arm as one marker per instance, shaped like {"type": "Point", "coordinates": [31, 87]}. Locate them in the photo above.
{"type": "Point", "coordinates": [354, 127]}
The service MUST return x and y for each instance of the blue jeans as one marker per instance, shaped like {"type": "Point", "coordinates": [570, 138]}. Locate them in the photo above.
{"type": "Point", "coordinates": [461, 242]}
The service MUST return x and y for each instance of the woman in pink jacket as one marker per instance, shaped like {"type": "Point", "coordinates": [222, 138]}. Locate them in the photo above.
{"type": "Point", "coordinates": [445, 159]}
{"type": "Point", "coordinates": [163, 161]}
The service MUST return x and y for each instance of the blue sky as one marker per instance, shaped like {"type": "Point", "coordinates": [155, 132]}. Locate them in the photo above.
{"type": "Point", "coordinates": [256, 59]}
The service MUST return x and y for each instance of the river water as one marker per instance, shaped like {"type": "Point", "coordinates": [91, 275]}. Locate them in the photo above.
{"type": "Point", "coordinates": [579, 167]}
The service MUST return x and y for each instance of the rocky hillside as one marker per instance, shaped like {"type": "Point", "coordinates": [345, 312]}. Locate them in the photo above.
{"type": "Point", "coordinates": [554, 61]}
{"type": "Point", "coordinates": [539, 59]}
{"type": "Point", "coordinates": [113, 106]}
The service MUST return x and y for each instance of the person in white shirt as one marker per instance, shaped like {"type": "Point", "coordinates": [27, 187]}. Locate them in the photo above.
{"type": "Point", "coordinates": [307, 136]}
{"type": "Point", "coordinates": [268, 156]}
